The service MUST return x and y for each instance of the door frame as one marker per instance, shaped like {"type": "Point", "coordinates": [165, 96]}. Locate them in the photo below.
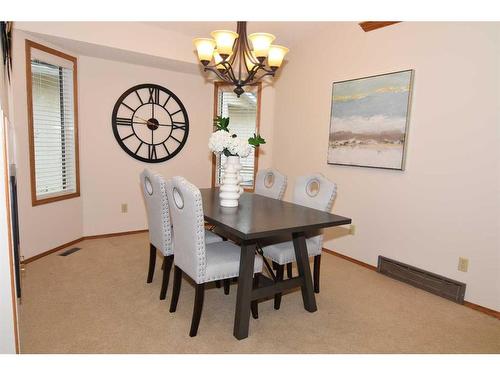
{"type": "Point", "coordinates": [6, 235]}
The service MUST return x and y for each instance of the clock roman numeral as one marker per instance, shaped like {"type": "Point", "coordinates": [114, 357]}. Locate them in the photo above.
{"type": "Point", "coordinates": [166, 149]}
{"type": "Point", "coordinates": [123, 121]}
{"type": "Point", "coordinates": [176, 126]}
{"type": "Point", "coordinates": [128, 136]}
{"type": "Point", "coordinates": [130, 108]}
{"type": "Point", "coordinates": [166, 101]}
{"type": "Point", "coordinates": [138, 148]}
{"type": "Point", "coordinates": [154, 95]}
{"type": "Point", "coordinates": [176, 112]}
{"type": "Point", "coordinates": [152, 152]}
{"type": "Point", "coordinates": [171, 136]}
{"type": "Point", "coordinates": [139, 97]}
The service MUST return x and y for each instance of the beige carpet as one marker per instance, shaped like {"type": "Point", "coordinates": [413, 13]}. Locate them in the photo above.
{"type": "Point", "coordinates": [97, 301]}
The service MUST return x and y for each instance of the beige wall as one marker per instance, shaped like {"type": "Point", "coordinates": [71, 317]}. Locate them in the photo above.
{"type": "Point", "coordinates": [108, 176]}
{"type": "Point", "coordinates": [447, 202]}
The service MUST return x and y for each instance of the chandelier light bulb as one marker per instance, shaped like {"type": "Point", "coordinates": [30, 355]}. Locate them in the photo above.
{"type": "Point", "coordinates": [205, 48]}
{"type": "Point", "coordinates": [276, 56]}
{"type": "Point", "coordinates": [261, 43]}
{"type": "Point", "coordinates": [224, 40]}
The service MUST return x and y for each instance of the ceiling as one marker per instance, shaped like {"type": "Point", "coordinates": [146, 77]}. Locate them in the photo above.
{"type": "Point", "coordinates": [156, 52]}
{"type": "Point", "coordinates": [287, 33]}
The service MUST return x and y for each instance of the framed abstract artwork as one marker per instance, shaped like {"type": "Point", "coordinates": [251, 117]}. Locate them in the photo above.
{"type": "Point", "coordinates": [369, 121]}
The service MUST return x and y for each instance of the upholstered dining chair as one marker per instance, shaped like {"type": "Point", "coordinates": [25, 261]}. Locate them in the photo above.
{"type": "Point", "coordinates": [154, 189]}
{"type": "Point", "coordinates": [270, 183]}
{"type": "Point", "coordinates": [200, 261]}
{"type": "Point", "coordinates": [314, 191]}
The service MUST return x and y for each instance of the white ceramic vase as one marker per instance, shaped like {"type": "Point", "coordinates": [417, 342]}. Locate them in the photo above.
{"type": "Point", "coordinates": [230, 189]}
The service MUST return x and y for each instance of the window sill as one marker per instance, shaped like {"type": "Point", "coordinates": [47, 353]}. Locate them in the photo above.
{"type": "Point", "coordinates": [54, 198]}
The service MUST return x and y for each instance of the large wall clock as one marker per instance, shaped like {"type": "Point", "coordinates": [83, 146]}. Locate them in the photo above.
{"type": "Point", "coordinates": [150, 123]}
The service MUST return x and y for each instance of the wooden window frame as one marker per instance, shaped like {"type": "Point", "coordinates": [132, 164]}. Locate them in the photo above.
{"type": "Point", "coordinates": [217, 85]}
{"type": "Point", "coordinates": [29, 85]}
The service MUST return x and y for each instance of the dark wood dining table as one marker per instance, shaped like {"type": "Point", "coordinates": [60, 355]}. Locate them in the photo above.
{"type": "Point", "coordinates": [257, 218]}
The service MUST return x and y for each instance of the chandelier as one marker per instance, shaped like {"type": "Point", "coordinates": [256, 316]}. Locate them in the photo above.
{"type": "Point", "coordinates": [230, 57]}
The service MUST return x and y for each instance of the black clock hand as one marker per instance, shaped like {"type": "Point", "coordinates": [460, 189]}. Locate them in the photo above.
{"type": "Point", "coordinates": [140, 118]}
{"type": "Point", "coordinates": [148, 123]}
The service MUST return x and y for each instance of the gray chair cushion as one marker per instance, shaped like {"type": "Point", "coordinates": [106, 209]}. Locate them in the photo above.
{"type": "Point", "coordinates": [314, 191]}
{"type": "Point", "coordinates": [223, 261]}
{"type": "Point", "coordinates": [284, 253]}
{"type": "Point", "coordinates": [211, 237]}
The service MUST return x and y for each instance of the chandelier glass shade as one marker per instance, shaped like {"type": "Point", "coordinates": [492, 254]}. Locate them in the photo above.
{"type": "Point", "coordinates": [238, 59]}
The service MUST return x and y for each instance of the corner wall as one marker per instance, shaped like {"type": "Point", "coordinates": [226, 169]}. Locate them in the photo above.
{"type": "Point", "coordinates": [47, 226]}
{"type": "Point", "coordinates": [446, 203]}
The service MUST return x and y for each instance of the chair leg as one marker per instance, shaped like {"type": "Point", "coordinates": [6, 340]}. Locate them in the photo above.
{"type": "Point", "coordinates": [317, 263]}
{"type": "Point", "coordinates": [198, 307]}
{"type": "Point", "coordinates": [152, 263]}
{"type": "Point", "coordinates": [218, 284]}
{"type": "Point", "coordinates": [279, 277]}
{"type": "Point", "coordinates": [255, 304]}
{"type": "Point", "coordinates": [289, 273]}
{"type": "Point", "coordinates": [227, 286]}
{"type": "Point", "coordinates": [176, 289]}
{"type": "Point", "coordinates": [167, 266]}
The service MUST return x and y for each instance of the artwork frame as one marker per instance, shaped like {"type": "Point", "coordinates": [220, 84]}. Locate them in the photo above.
{"type": "Point", "coordinates": [369, 121]}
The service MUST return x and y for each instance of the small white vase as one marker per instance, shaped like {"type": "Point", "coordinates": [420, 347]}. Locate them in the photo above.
{"type": "Point", "coordinates": [230, 189]}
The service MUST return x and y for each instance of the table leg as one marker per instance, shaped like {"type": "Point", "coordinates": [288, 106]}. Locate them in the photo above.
{"type": "Point", "coordinates": [299, 244]}
{"type": "Point", "coordinates": [244, 294]}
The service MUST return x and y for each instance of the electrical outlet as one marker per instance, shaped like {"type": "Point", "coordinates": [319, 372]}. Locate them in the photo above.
{"type": "Point", "coordinates": [124, 208]}
{"type": "Point", "coordinates": [352, 229]}
{"type": "Point", "coordinates": [463, 264]}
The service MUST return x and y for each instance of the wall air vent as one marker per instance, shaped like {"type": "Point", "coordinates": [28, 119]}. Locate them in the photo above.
{"type": "Point", "coordinates": [436, 284]}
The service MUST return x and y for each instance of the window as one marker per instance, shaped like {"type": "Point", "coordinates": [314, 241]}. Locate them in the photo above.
{"type": "Point", "coordinates": [52, 117]}
{"type": "Point", "coordinates": [244, 115]}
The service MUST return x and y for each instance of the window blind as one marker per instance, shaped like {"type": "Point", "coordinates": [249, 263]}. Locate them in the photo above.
{"type": "Point", "coordinates": [53, 129]}
{"type": "Point", "coordinates": [242, 112]}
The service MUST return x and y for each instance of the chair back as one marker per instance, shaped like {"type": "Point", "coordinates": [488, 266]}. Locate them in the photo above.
{"type": "Point", "coordinates": [270, 183]}
{"type": "Point", "coordinates": [154, 189]}
{"type": "Point", "coordinates": [315, 191]}
{"type": "Point", "coordinates": [186, 211]}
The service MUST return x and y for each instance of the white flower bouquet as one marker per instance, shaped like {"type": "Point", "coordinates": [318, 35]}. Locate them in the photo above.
{"type": "Point", "coordinates": [222, 141]}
